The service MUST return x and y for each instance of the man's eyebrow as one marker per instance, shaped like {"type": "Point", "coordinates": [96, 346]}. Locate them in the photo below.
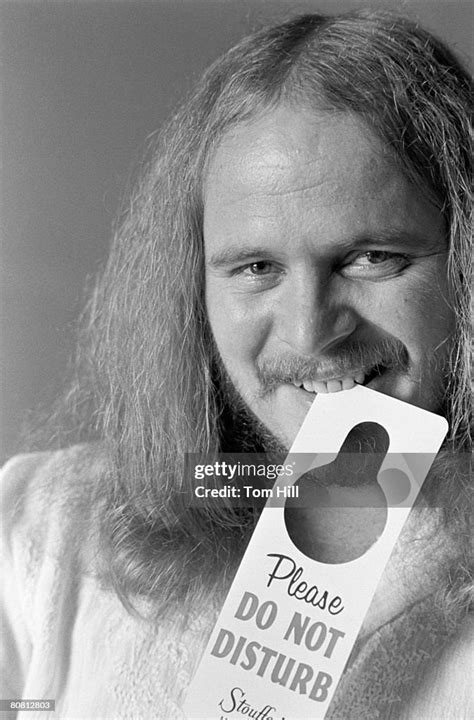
{"type": "Point", "coordinates": [403, 238]}
{"type": "Point", "coordinates": [235, 255]}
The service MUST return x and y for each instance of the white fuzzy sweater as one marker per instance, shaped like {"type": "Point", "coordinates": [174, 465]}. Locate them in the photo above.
{"type": "Point", "coordinates": [65, 637]}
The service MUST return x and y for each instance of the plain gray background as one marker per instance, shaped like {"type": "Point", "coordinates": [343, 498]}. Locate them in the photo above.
{"type": "Point", "coordinates": [83, 85]}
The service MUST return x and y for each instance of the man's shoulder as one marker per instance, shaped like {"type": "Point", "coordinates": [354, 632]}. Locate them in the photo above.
{"type": "Point", "coordinates": [48, 494]}
{"type": "Point", "coordinates": [68, 461]}
{"type": "Point", "coordinates": [59, 476]}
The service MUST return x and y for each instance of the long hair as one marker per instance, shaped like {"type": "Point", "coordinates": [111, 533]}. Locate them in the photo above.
{"type": "Point", "coordinates": [146, 378]}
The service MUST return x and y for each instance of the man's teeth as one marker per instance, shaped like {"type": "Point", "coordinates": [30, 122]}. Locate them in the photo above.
{"type": "Point", "coordinates": [333, 385]}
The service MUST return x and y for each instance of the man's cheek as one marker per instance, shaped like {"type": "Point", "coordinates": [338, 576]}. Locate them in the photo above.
{"type": "Point", "coordinates": [427, 304]}
{"type": "Point", "coordinates": [425, 327]}
{"type": "Point", "coordinates": [417, 316]}
{"type": "Point", "coordinates": [243, 333]}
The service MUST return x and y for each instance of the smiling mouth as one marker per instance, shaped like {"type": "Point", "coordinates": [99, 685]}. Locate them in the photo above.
{"type": "Point", "coordinates": [346, 382]}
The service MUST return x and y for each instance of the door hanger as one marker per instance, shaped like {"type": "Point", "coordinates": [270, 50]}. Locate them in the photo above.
{"type": "Point", "coordinates": [294, 610]}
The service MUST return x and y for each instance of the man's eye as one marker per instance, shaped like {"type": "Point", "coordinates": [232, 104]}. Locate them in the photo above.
{"type": "Point", "coordinates": [375, 257]}
{"type": "Point", "coordinates": [376, 263]}
{"type": "Point", "coordinates": [258, 275]}
{"type": "Point", "coordinates": [262, 267]}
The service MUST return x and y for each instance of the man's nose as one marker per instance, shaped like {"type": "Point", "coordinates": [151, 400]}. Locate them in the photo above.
{"type": "Point", "coordinates": [314, 317]}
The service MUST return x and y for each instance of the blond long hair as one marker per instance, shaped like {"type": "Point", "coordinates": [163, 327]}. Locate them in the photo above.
{"type": "Point", "coordinates": [146, 374]}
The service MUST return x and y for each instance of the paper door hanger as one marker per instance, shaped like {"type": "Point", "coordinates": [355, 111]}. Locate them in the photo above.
{"type": "Point", "coordinates": [289, 622]}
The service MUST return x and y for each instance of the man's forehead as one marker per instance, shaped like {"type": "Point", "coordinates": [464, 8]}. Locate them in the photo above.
{"type": "Point", "coordinates": [316, 174]}
{"type": "Point", "coordinates": [291, 149]}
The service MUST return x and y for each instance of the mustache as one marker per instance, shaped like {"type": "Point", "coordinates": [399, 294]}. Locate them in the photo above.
{"type": "Point", "coordinates": [389, 352]}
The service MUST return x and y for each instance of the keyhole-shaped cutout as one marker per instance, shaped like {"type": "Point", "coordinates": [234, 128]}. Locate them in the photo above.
{"type": "Point", "coordinates": [341, 509]}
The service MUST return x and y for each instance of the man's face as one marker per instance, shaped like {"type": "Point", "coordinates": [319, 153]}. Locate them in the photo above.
{"type": "Point", "coordinates": [325, 266]}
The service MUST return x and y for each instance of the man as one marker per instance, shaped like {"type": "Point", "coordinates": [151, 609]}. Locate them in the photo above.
{"type": "Point", "coordinates": [303, 227]}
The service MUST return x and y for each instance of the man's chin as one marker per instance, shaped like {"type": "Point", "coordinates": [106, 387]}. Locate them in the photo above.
{"type": "Point", "coordinates": [245, 431]}
{"type": "Point", "coordinates": [266, 437]}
